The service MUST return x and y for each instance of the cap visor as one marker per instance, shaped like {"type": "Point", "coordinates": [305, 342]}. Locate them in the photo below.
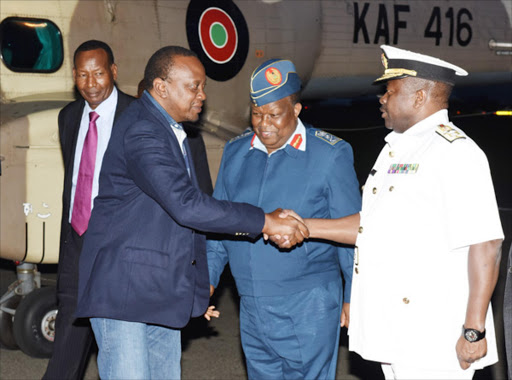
{"type": "Point", "coordinates": [387, 77]}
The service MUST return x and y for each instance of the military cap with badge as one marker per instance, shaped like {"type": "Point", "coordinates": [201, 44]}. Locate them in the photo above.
{"type": "Point", "coordinates": [399, 63]}
{"type": "Point", "coordinates": [273, 80]}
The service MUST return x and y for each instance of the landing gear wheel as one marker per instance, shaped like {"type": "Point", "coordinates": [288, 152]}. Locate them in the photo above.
{"type": "Point", "coordinates": [34, 322]}
{"type": "Point", "coordinates": [7, 340]}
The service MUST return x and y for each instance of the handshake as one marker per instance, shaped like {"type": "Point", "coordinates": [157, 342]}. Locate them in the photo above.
{"type": "Point", "coordinates": [285, 228]}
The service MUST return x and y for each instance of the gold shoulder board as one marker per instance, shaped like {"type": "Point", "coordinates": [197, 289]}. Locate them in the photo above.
{"type": "Point", "coordinates": [449, 133]}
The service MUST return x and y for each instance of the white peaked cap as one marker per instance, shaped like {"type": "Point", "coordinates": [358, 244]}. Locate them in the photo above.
{"type": "Point", "coordinates": [400, 63]}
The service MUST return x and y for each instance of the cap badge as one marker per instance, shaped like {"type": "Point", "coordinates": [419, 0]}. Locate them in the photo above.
{"type": "Point", "coordinates": [384, 60]}
{"type": "Point", "coordinates": [273, 76]}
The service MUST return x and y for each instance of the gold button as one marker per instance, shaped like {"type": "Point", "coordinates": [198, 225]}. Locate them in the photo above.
{"type": "Point", "coordinates": [357, 270]}
{"type": "Point", "coordinates": [391, 188]}
{"type": "Point", "coordinates": [362, 188]}
{"type": "Point", "coordinates": [374, 190]}
{"type": "Point", "coordinates": [361, 229]}
{"type": "Point", "coordinates": [391, 153]}
{"type": "Point", "coordinates": [406, 300]}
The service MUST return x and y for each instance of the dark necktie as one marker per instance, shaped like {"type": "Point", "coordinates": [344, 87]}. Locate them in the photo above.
{"type": "Point", "coordinates": [83, 192]}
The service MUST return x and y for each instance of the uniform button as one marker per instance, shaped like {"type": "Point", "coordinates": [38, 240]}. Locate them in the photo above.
{"type": "Point", "coordinates": [374, 190]}
{"type": "Point", "coordinates": [357, 270]}
{"type": "Point", "coordinates": [391, 153]}
{"type": "Point", "coordinates": [391, 188]}
{"type": "Point", "coordinates": [362, 188]}
{"type": "Point", "coordinates": [193, 262]}
{"type": "Point", "coordinates": [406, 300]}
{"type": "Point", "coordinates": [510, 270]}
{"type": "Point", "coordinates": [360, 230]}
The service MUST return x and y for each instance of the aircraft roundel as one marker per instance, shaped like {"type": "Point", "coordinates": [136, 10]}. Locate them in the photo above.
{"type": "Point", "coordinates": [218, 34]}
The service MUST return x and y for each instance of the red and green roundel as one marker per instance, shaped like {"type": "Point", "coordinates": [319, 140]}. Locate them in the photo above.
{"type": "Point", "coordinates": [218, 34]}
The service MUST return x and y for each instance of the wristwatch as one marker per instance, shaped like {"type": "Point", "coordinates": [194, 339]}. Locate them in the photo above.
{"type": "Point", "coordinates": [472, 335]}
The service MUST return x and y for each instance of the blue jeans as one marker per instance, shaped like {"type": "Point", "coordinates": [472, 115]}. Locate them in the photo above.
{"type": "Point", "coordinates": [132, 350]}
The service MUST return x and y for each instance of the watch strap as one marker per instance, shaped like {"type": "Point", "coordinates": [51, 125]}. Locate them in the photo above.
{"type": "Point", "coordinates": [472, 335]}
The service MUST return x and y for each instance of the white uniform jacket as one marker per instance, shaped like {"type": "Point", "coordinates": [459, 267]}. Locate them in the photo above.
{"type": "Point", "coordinates": [428, 198]}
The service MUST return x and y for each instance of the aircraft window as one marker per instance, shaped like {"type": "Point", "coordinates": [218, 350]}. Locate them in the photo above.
{"type": "Point", "coordinates": [31, 45]}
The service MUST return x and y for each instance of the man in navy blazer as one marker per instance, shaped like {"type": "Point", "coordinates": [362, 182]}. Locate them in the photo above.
{"type": "Point", "coordinates": [143, 269]}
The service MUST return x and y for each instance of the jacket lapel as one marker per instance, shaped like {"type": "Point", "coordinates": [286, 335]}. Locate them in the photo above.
{"type": "Point", "coordinates": [177, 150]}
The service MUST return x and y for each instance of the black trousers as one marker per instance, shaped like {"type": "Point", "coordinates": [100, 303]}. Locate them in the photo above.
{"type": "Point", "coordinates": [73, 337]}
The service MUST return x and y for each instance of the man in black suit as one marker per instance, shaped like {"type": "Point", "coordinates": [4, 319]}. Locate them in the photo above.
{"type": "Point", "coordinates": [94, 73]}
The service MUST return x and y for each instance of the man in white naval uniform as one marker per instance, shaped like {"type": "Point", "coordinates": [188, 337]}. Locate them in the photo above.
{"type": "Point", "coordinates": [428, 237]}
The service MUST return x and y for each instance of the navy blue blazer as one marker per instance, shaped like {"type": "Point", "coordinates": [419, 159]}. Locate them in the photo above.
{"type": "Point", "coordinates": [142, 259]}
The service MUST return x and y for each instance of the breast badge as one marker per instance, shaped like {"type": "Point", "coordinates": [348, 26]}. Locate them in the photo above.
{"type": "Point", "coordinates": [403, 168]}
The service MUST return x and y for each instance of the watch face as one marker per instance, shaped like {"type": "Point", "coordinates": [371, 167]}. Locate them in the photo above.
{"type": "Point", "coordinates": [471, 335]}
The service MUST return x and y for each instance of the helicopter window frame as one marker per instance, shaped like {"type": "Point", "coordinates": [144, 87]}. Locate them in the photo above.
{"type": "Point", "coordinates": [56, 44]}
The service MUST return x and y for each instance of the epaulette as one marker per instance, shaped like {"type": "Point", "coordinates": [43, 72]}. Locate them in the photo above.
{"type": "Point", "coordinates": [331, 139]}
{"type": "Point", "coordinates": [247, 132]}
{"type": "Point", "coordinates": [449, 133]}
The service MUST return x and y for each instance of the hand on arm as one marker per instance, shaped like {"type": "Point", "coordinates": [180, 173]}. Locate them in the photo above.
{"type": "Point", "coordinates": [483, 267]}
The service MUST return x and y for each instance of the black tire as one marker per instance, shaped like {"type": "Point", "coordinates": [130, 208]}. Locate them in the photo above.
{"type": "Point", "coordinates": [7, 340]}
{"type": "Point", "coordinates": [34, 322]}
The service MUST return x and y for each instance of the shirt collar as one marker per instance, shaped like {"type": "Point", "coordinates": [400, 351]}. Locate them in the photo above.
{"type": "Point", "coordinates": [106, 106]}
{"type": "Point", "coordinates": [421, 127]}
{"type": "Point", "coordinates": [173, 123]}
{"type": "Point", "coordinates": [297, 140]}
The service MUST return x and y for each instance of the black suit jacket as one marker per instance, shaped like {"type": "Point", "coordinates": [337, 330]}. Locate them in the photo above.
{"type": "Point", "coordinates": [69, 125]}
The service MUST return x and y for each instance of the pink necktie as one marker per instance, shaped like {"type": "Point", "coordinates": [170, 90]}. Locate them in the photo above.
{"type": "Point", "coordinates": [83, 192]}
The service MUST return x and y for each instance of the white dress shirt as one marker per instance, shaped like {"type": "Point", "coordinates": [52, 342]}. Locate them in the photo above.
{"type": "Point", "coordinates": [104, 123]}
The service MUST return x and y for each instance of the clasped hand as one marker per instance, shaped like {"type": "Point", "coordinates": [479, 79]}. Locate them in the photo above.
{"type": "Point", "coordinates": [285, 228]}
{"type": "Point", "coordinates": [468, 353]}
